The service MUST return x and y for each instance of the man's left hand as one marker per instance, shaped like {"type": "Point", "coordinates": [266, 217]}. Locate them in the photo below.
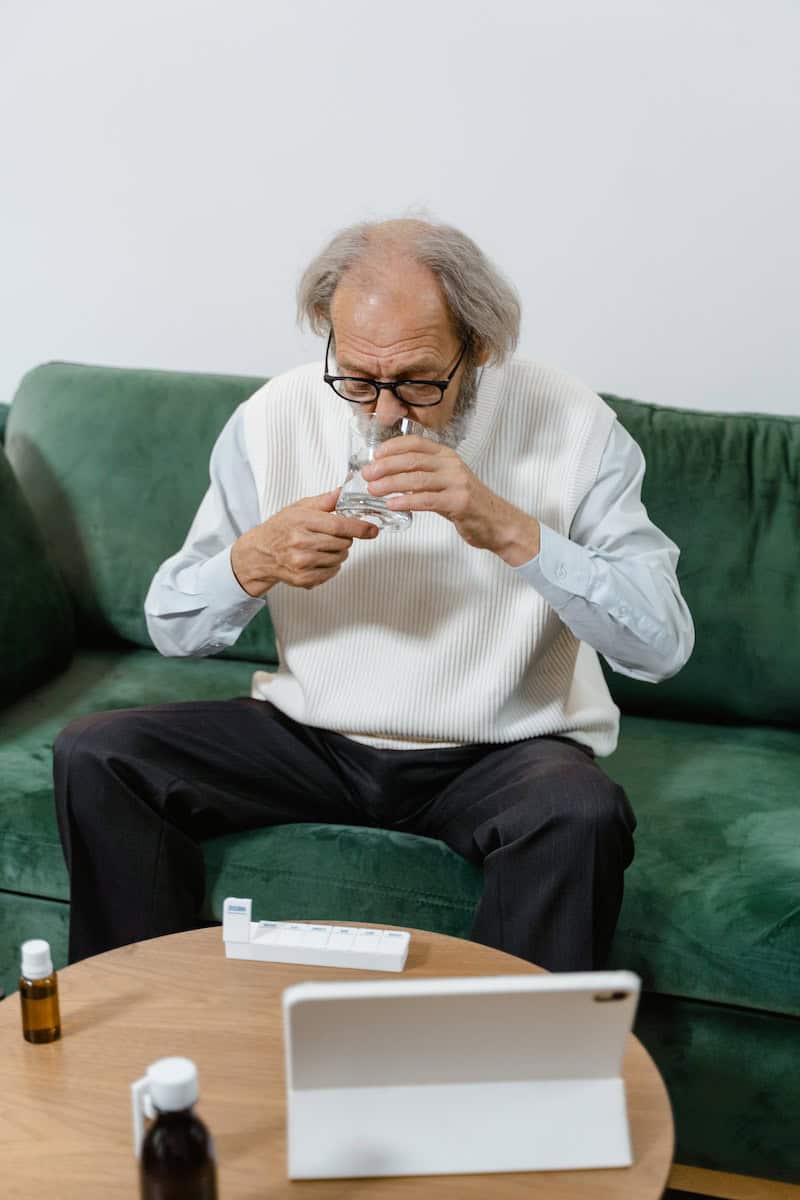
{"type": "Point", "coordinates": [433, 478]}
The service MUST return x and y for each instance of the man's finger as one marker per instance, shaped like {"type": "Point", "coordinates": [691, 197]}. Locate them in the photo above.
{"type": "Point", "coordinates": [353, 527]}
{"type": "Point", "coordinates": [412, 481]}
{"type": "Point", "coordinates": [324, 503]}
{"type": "Point", "coordinates": [412, 443]}
{"type": "Point", "coordinates": [313, 579]}
{"type": "Point", "coordinates": [323, 542]}
{"type": "Point", "coordinates": [418, 502]}
{"type": "Point", "coordinates": [327, 521]}
{"type": "Point", "coordinates": [403, 462]}
{"type": "Point", "coordinates": [340, 527]}
{"type": "Point", "coordinates": [344, 527]}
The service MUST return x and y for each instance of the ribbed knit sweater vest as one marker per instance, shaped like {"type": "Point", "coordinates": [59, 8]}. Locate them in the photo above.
{"type": "Point", "coordinates": [421, 640]}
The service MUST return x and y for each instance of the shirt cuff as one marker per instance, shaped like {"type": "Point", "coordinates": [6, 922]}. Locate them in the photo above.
{"type": "Point", "coordinates": [562, 569]}
{"type": "Point", "coordinates": [215, 581]}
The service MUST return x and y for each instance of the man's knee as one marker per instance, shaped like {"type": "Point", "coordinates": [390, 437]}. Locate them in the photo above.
{"type": "Point", "coordinates": [580, 800]}
{"type": "Point", "coordinates": [604, 801]}
{"type": "Point", "coordinates": [588, 798]}
{"type": "Point", "coordinates": [93, 737]}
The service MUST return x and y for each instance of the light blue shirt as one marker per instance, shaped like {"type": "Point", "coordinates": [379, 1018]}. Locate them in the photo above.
{"type": "Point", "coordinates": [612, 581]}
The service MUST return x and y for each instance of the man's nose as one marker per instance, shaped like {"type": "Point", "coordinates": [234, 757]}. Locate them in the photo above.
{"type": "Point", "coordinates": [388, 408]}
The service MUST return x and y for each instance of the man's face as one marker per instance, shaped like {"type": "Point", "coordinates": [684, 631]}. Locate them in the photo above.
{"type": "Point", "coordinates": [391, 322]}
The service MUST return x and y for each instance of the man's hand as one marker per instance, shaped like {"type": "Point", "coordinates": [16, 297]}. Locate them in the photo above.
{"type": "Point", "coordinates": [434, 479]}
{"type": "Point", "coordinates": [303, 545]}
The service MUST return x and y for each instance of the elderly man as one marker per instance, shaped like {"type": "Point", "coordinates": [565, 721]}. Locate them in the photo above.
{"type": "Point", "coordinates": [443, 681]}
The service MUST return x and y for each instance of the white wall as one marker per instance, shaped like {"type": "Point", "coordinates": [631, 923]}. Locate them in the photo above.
{"type": "Point", "coordinates": [170, 165]}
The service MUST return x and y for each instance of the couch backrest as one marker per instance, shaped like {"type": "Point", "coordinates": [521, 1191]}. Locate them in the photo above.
{"type": "Point", "coordinates": [36, 627]}
{"type": "Point", "coordinates": [114, 463]}
{"type": "Point", "coordinates": [726, 488]}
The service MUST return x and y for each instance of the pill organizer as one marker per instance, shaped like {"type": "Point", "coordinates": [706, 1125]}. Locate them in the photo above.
{"type": "Point", "coordinates": [316, 945]}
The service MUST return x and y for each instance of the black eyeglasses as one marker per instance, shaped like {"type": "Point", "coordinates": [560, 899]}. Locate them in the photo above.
{"type": "Point", "coordinates": [416, 393]}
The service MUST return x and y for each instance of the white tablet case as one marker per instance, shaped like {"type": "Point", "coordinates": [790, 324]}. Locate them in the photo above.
{"type": "Point", "coordinates": [454, 1076]}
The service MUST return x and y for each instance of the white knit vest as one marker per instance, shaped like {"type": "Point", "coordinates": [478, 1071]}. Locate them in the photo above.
{"type": "Point", "coordinates": [421, 640]}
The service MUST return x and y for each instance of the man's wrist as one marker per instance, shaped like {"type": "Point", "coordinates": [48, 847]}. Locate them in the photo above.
{"type": "Point", "coordinates": [255, 585]}
{"type": "Point", "coordinates": [518, 539]}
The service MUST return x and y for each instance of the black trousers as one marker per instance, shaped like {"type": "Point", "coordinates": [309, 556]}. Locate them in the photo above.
{"type": "Point", "coordinates": [137, 790]}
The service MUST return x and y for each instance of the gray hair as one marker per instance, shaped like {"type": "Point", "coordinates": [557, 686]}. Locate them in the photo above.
{"type": "Point", "coordinates": [483, 305]}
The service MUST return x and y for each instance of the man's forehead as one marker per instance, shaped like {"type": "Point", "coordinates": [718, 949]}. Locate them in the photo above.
{"type": "Point", "coordinates": [375, 322]}
{"type": "Point", "coordinates": [404, 347]}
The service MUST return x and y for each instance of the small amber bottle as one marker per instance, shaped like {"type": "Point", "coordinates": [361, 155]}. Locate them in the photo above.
{"type": "Point", "coordinates": [38, 993]}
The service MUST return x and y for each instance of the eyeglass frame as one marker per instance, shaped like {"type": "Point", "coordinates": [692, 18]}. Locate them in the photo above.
{"type": "Point", "coordinates": [379, 386]}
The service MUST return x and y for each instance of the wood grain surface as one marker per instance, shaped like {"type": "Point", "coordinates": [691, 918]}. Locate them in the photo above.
{"type": "Point", "coordinates": [65, 1124]}
{"type": "Point", "coordinates": [721, 1185]}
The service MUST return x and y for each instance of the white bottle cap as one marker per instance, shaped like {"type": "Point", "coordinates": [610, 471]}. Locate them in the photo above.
{"type": "Point", "coordinates": [173, 1083]}
{"type": "Point", "coordinates": [36, 960]}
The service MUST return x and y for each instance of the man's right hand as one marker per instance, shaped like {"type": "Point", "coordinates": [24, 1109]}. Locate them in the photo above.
{"type": "Point", "coordinates": [303, 545]}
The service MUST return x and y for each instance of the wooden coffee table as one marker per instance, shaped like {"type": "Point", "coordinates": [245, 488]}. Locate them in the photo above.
{"type": "Point", "coordinates": [65, 1125]}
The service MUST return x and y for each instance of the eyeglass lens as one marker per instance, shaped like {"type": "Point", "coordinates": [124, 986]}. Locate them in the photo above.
{"type": "Point", "coordinates": [361, 391]}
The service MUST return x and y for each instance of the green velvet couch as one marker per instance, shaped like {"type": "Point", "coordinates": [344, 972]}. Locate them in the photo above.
{"type": "Point", "coordinates": [102, 472]}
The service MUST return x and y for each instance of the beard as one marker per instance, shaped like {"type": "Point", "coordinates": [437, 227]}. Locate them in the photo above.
{"type": "Point", "coordinates": [456, 428]}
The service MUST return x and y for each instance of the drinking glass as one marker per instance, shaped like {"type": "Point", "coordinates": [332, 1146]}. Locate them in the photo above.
{"type": "Point", "coordinates": [367, 432]}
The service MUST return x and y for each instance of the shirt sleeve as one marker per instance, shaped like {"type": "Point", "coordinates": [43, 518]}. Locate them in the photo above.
{"type": "Point", "coordinates": [195, 605]}
{"type": "Point", "coordinates": [613, 581]}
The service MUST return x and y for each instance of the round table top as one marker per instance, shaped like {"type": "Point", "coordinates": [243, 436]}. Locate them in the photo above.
{"type": "Point", "coordinates": [65, 1121]}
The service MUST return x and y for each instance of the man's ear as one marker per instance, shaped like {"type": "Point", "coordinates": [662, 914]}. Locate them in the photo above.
{"type": "Point", "coordinates": [480, 355]}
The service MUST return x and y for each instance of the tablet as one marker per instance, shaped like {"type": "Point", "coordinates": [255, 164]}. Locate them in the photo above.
{"type": "Point", "coordinates": [453, 1076]}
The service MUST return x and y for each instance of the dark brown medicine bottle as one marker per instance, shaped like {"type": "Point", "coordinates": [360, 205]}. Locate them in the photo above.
{"type": "Point", "coordinates": [177, 1159]}
{"type": "Point", "coordinates": [38, 993]}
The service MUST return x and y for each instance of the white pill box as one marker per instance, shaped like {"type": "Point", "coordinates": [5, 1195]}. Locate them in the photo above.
{"type": "Point", "coordinates": [316, 945]}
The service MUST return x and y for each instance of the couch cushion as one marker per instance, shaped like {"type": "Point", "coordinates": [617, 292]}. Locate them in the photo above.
{"type": "Point", "coordinates": [726, 488]}
{"type": "Point", "coordinates": [344, 873]}
{"type": "Point", "coordinates": [115, 463]}
{"type": "Point", "coordinates": [711, 901]}
{"type": "Point", "coordinates": [23, 917]}
{"type": "Point", "coordinates": [36, 626]}
{"type": "Point", "coordinates": [732, 1079]}
{"type": "Point", "coordinates": [30, 851]}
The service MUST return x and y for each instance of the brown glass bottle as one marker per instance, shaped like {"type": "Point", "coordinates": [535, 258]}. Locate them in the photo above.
{"type": "Point", "coordinates": [38, 993]}
{"type": "Point", "coordinates": [177, 1159]}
